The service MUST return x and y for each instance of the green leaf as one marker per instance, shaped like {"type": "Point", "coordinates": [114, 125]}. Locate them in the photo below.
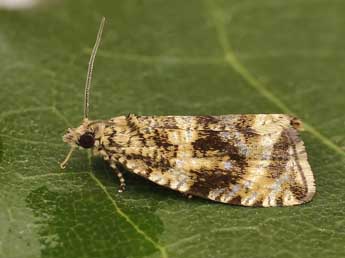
{"type": "Point", "coordinates": [165, 57]}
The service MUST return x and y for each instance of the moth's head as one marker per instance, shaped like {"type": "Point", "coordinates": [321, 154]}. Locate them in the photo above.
{"type": "Point", "coordinates": [82, 136]}
{"type": "Point", "coordinates": [85, 136]}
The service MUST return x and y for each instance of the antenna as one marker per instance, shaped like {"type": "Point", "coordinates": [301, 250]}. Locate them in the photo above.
{"type": "Point", "coordinates": [90, 69]}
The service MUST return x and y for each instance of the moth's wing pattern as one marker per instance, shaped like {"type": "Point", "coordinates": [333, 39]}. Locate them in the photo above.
{"type": "Point", "coordinates": [250, 160]}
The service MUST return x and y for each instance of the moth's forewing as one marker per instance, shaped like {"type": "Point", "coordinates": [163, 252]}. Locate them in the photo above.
{"type": "Point", "coordinates": [250, 160]}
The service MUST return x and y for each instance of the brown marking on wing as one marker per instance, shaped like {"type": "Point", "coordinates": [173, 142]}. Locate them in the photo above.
{"type": "Point", "coordinates": [206, 180]}
{"type": "Point", "coordinates": [258, 203]}
{"type": "Point", "coordinates": [279, 157]}
{"type": "Point", "coordinates": [245, 121]}
{"type": "Point", "coordinates": [210, 141]}
{"type": "Point", "coordinates": [207, 122]}
{"type": "Point", "coordinates": [161, 140]}
{"type": "Point", "coordinates": [236, 200]}
{"type": "Point", "coordinates": [279, 200]}
{"type": "Point", "coordinates": [299, 191]}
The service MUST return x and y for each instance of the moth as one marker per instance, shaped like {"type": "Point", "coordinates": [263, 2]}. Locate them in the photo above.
{"type": "Point", "coordinates": [249, 160]}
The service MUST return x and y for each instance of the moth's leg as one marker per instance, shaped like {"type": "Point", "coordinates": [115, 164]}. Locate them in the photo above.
{"type": "Point", "coordinates": [189, 196]}
{"type": "Point", "coordinates": [119, 174]}
{"type": "Point", "coordinates": [122, 182]}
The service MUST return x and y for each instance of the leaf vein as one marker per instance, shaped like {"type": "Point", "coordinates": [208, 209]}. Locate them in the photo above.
{"type": "Point", "coordinates": [253, 82]}
{"type": "Point", "coordinates": [122, 214]}
{"type": "Point", "coordinates": [28, 141]}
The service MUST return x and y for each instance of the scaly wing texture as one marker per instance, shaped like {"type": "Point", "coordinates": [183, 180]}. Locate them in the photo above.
{"type": "Point", "coordinates": [250, 160]}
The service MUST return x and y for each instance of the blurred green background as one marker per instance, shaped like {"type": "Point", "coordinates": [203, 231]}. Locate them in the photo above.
{"type": "Point", "coordinates": [165, 57]}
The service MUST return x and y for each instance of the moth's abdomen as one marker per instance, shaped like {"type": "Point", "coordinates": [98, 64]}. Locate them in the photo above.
{"type": "Point", "coordinates": [250, 160]}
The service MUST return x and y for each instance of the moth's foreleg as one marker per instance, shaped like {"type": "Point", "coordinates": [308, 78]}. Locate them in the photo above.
{"type": "Point", "coordinates": [119, 174]}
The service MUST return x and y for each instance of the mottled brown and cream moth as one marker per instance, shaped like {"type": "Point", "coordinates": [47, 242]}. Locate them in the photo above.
{"type": "Point", "coordinates": [249, 160]}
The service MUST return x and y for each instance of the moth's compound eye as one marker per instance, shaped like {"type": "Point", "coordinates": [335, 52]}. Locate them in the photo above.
{"type": "Point", "coordinates": [87, 140]}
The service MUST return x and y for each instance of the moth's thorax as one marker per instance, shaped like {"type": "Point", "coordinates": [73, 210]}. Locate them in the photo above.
{"type": "Point", "coordinates": [114, 136]}
{"type": "Point", "coordinates": [118, 132]}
